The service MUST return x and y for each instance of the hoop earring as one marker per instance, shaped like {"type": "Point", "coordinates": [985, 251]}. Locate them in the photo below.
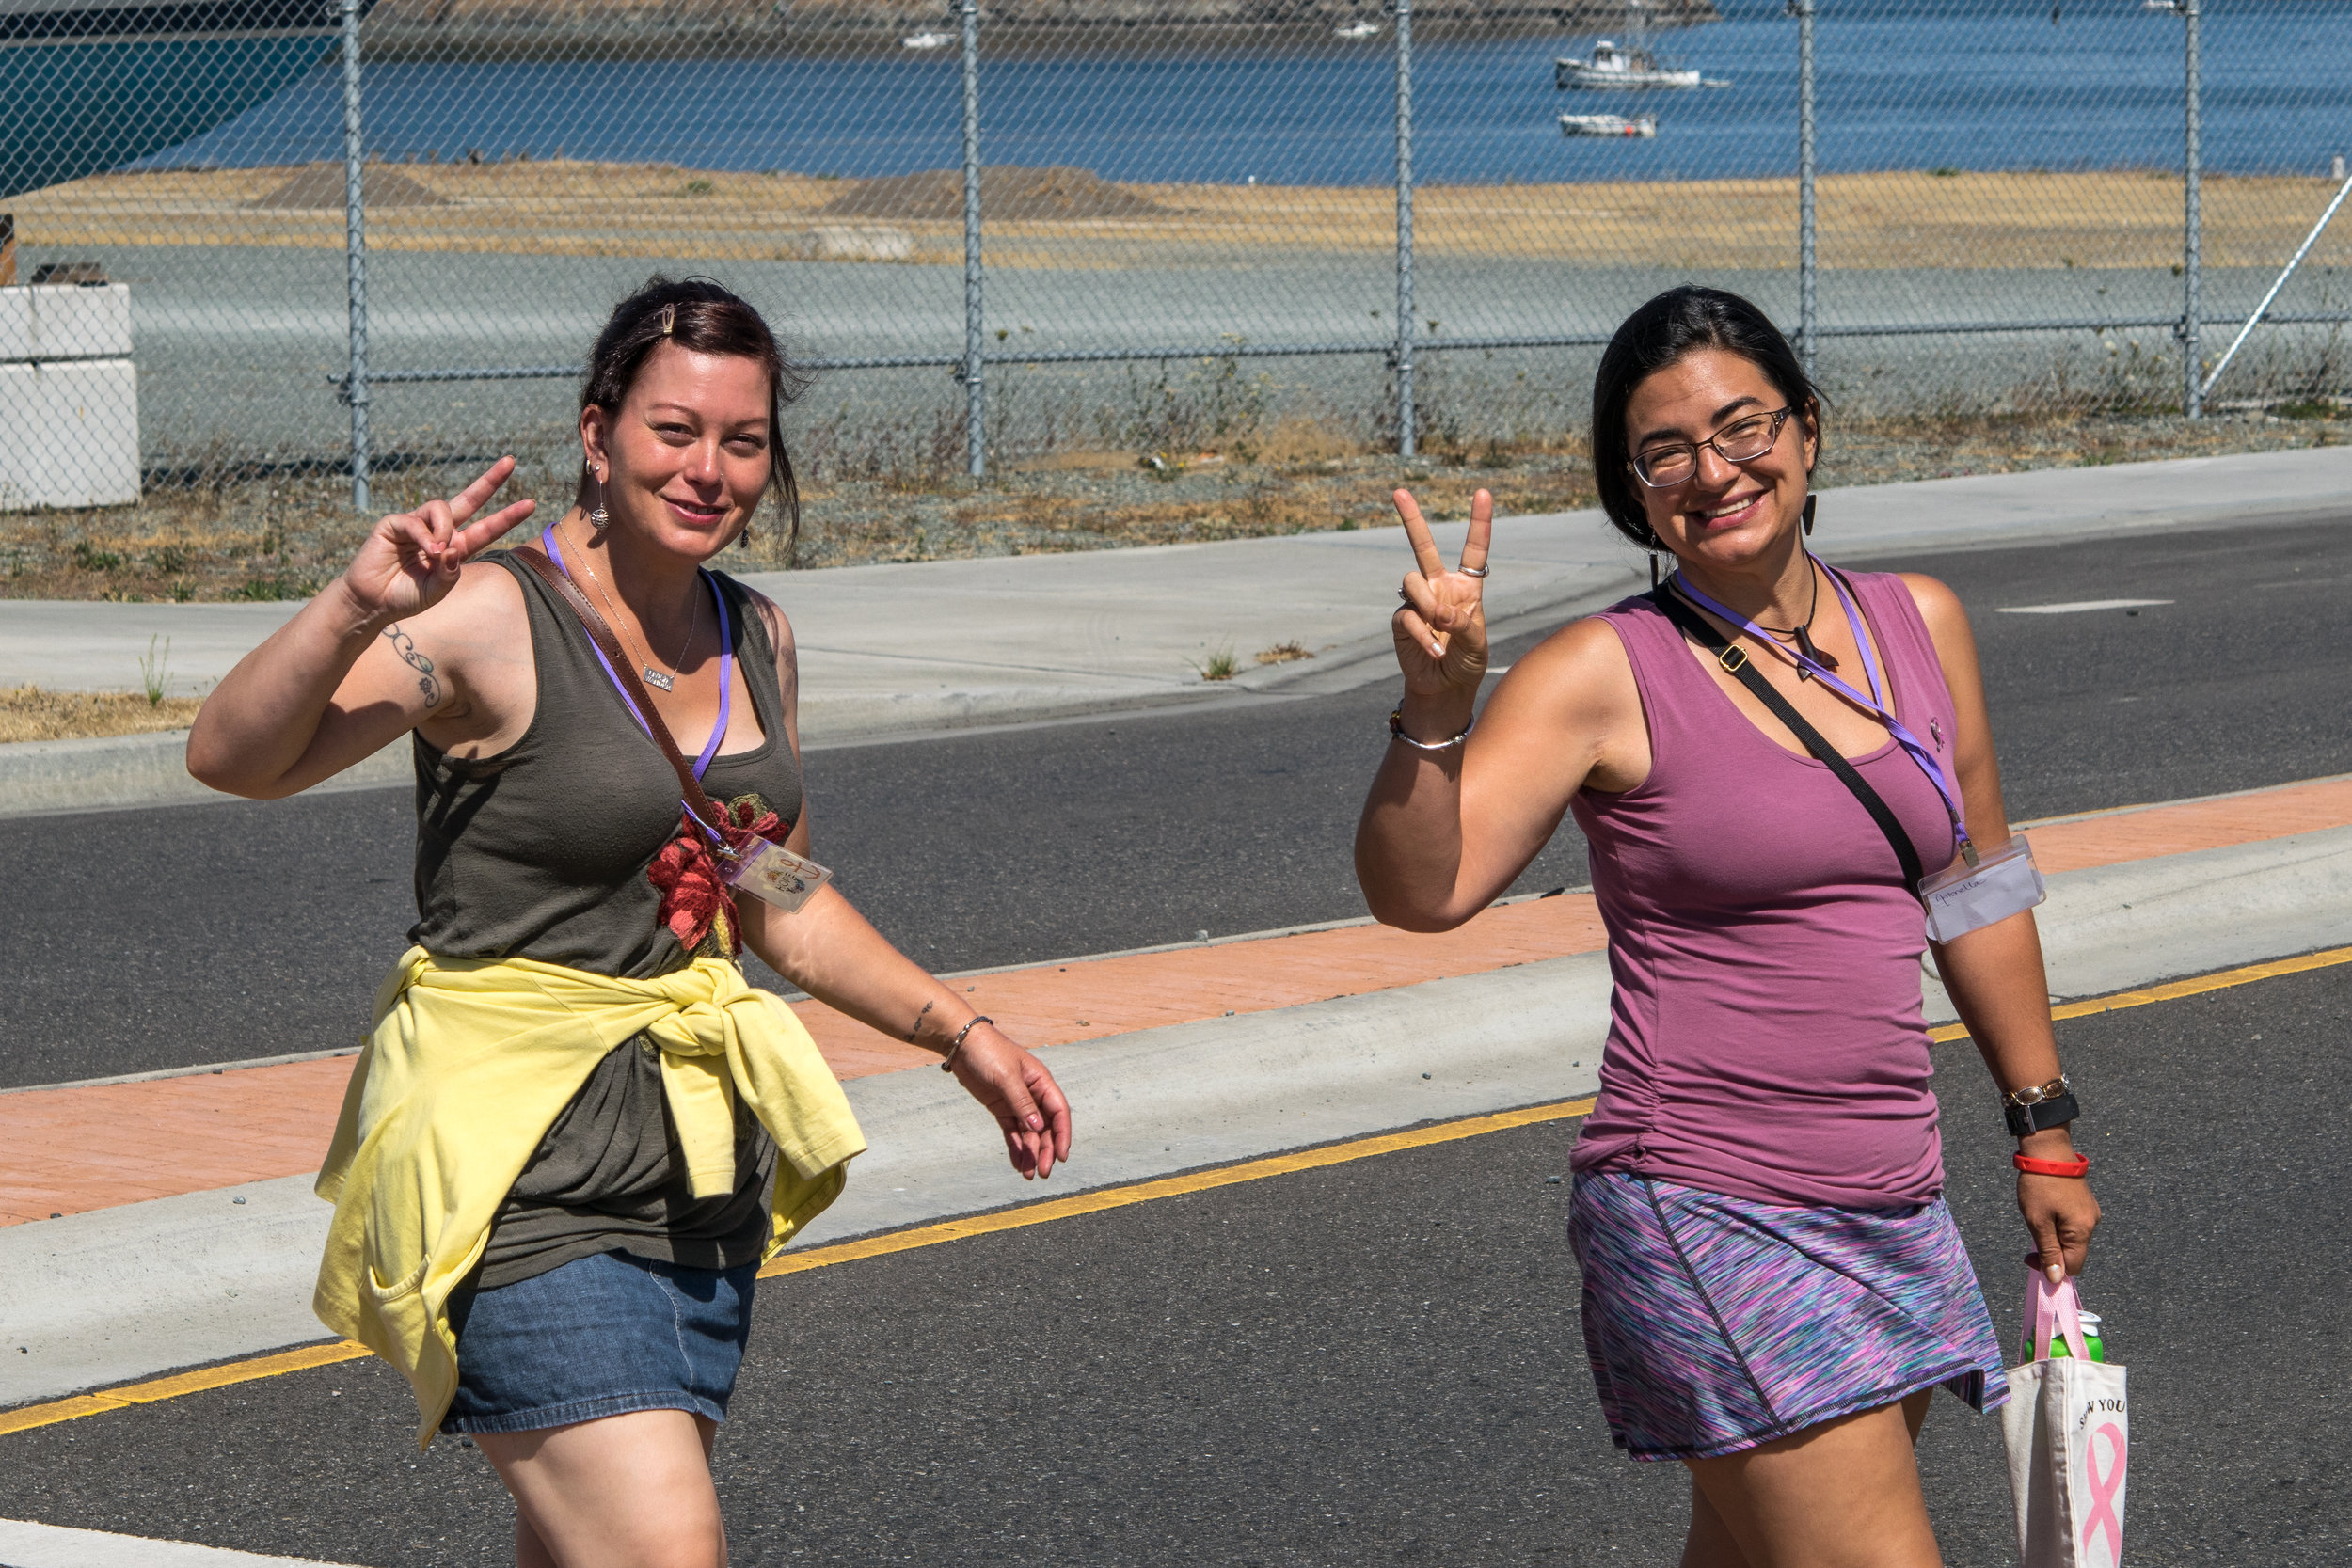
{"type": "Point", "coordinates": [597, 519]}
{"type": "Point", "coordinates": [1810, 501]}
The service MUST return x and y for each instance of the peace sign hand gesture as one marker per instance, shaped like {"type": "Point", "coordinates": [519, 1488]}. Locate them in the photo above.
{"type": "Point", "coordinates": [1441, 626]}
{"type": "Point", "coordinates": [411, 559]}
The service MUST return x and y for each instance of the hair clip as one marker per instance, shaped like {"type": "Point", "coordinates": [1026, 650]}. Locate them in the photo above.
{"type": "Point", "coordinates": [669, 319]}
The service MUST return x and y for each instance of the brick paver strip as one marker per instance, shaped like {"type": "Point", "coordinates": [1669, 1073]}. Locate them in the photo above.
{"type": "Point", "coordinates": [69, 1150]}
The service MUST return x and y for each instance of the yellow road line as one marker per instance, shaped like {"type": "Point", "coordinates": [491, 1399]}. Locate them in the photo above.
{"type": "Point", "coordinates": [171, 1387]}
{"type": "Point", "coordinates": [2172, 991]}
{"type": "Point", "coordinates": [31, 1416]}
{"type": "Point", "coordinates": [1170, 1186]}
{"type": "Point", "coordinates": [223, 1376]}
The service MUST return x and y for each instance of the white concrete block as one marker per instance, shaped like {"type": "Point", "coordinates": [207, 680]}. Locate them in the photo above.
{"type": "Point", "coordinates": [65, 322]}
{"type": "Point", "coordinates": [16, 324]}
{"type": "Point", "coordinates": [69, 433]}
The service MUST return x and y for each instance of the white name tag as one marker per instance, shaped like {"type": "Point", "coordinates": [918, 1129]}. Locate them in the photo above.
{"type": "Point", "coordinates": [775, 875]}
{"type": "Point", "coordinates": [1962, 898]}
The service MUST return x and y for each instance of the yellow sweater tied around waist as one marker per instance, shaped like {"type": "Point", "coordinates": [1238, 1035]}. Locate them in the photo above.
{"type": "Point", "coordinates": [470, 1063]}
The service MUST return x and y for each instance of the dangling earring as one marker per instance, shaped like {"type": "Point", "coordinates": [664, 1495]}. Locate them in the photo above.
{"type": "Point", "coordinates": [743, 540]}
{"type": "Point", "coordinates": [596, 519]}
{"type": "Point", "coordinates": [1655, 545]}
{"type": "Point", "coordinates": [1810, 501]}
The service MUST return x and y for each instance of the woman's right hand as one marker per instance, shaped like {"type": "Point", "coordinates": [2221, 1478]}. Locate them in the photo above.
{"type": "Point", "coordinates": [1441, 628]}
{"type": "Point", "coordinates": [411, 559]}
{"type": "Point", "coordinates": [1015, 1088]}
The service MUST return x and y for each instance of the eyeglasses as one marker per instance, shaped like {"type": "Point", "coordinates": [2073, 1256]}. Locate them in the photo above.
{"type": "Point", "coordinates": [1740, 441]}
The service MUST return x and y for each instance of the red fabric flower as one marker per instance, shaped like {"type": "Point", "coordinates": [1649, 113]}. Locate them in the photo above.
{"type": "Point", "coordinates": [695, 900]}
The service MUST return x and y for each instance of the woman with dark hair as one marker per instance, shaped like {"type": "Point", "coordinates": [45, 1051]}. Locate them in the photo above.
{"type": "Point", "coordinates": [1774, 764]}
{"type": "Point", "coordinates": [575, 1133]}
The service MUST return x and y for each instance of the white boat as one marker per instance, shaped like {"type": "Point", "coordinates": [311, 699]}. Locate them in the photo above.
{"type": "Point", "coordinates": [1608, 126]}
{"type": "Point", "coordinates": [1359, 28]}
{"type": "Point", "coordinates": [927, 40]}
{"type": "Point", "coordinates": [1611, 68]}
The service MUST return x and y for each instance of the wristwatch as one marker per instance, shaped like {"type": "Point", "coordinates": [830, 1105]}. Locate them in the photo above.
{"type": "Point", "coordinates": [2039, 1107]}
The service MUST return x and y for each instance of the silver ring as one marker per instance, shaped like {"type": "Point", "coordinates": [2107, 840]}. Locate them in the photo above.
{"type": "Point", "coordinates": [1471, 571]}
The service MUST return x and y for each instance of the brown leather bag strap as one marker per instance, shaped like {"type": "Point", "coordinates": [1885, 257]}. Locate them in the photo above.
{"type": "Point", "coordinates": [600, 633]}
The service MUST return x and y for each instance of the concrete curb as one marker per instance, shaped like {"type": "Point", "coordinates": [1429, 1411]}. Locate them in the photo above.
{"type": "Point", "coordinates": [127, 1292]}
{"type": "Point", "coordinates": [40, 778]}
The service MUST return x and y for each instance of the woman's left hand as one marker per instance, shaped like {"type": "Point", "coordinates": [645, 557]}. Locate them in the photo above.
{"type": "Point", "coordinates": [2061, 1213]}
{"type": "Point", "coordinates": [1022, 1096]}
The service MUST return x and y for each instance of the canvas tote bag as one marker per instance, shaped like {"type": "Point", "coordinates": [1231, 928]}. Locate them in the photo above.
{"type": "Point", "coordinates": [2068, 1433]}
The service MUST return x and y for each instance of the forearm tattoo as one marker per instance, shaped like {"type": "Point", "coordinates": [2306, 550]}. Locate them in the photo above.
{"type": "Point", "coordinates": [918, 1020]}
{"type": "Point", "coordinates": [428, 684]}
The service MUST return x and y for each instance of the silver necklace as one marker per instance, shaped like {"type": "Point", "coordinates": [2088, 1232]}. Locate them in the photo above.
{"type": "Point", "coordinates": [664, 679]}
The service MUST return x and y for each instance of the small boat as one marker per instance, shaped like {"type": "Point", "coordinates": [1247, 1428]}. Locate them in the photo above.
{"type": "Point", "coordinates": [1359, 28]}
{"type": "Point", "coordinates": [927, 40]}
{"type": "Point", "coordinates": [1608, 126]}
{"type": "Point", "coordinates": [93, 85]}
{"type": "Point", "coordinates": [1611, 68]}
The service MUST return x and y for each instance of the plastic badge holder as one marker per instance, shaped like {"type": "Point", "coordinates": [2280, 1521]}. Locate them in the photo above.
{"type": "Point", "coordinates": [1963, 898]}
{"type": "Point", "coordinates": [775, 875]}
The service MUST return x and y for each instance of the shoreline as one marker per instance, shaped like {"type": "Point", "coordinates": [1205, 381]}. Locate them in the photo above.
{"type": "Point", "coordinates": [1926, 219]}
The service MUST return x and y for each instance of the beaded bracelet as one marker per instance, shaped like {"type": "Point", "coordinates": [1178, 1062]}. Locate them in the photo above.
{"type": "Point", "coordinates": [947, 1063]}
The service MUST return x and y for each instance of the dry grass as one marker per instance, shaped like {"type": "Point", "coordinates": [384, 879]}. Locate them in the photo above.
{"type": "Point", "coordinates": [28, 713]}
{"type": "Point", "coordinates": [281, 538]}
{"type": "Point", "coordinates": [573, 208]}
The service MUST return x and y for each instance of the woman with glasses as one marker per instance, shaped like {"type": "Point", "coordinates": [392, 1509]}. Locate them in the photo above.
{"type": "Point", "coordinates": [1772, 1286]}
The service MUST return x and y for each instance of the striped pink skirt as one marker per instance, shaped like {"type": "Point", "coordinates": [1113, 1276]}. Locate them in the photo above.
{"type": "Point", "coordinates": [1715, 1324]}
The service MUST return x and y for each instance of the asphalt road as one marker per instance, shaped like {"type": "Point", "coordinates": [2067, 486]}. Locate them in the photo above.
{"type": "Point", "coordinates": [140, 940]}
{"type": "Point", "coordinates": [1379, 1363]}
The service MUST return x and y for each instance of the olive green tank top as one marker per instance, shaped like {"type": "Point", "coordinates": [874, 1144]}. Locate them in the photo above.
{"type": "Point", "coordinates": [541, 851]}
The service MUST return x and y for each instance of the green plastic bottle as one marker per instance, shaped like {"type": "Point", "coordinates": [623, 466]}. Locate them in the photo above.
{"type": "Point", "coordinates": [2092, 1341]}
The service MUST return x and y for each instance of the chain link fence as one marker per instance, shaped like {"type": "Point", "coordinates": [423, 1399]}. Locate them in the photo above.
{"type": "Point", "coordinates": [269, 255]}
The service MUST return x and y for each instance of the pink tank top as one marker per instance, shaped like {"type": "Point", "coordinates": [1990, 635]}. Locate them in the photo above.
{"type": "Point", "coordinates": [1765, 1036]}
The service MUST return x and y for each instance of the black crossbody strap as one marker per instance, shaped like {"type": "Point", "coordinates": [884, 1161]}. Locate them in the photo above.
{"type": "Point", "coordinates": [1742, 668]}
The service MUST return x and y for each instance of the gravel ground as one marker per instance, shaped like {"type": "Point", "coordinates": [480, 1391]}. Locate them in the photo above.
{"type": "Point", "coordinates": [281, 538]}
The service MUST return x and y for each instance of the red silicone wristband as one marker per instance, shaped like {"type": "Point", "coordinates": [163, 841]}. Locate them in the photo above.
{"type": "Point", "coordinates": [2079, 1165]}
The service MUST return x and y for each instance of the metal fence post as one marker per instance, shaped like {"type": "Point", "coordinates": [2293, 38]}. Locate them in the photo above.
{"type": "Point", "coordinates": [2192, 238]}
{"type": "Point", "coordinates": [974, 400]}
{"type": "Point", "coordinates": [356, 256]}
{"type": "Point", "coordinates": [1806, 172]}
{"type": "Point", "coordinates": [1404, 443]}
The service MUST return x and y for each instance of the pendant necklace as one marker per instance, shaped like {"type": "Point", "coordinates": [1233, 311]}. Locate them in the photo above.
{"type": "Point", "coordinates": [1802, 632]}
{"type": "Point", "coordinates": [664, 679]}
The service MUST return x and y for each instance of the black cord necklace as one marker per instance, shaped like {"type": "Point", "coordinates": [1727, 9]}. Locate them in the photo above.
{"type": "Point", "coordinates": [1802, 632]}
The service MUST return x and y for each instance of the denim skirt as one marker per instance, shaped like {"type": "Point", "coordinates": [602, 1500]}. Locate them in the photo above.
{"type": "Point", "coordinates": [600, 1336]}
{"type": "Point", "coordinates": [1714, 1324]}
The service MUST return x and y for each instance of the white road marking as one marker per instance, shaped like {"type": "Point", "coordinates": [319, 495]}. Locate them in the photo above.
{"type": "Point", "coordinates": [2078, 606]}
{"type": "Point", "coordinates": [24, 1544]}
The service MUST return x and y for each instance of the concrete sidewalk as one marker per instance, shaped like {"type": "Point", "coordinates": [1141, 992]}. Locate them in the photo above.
{"type": "Point", "coordinates": [910, 649]}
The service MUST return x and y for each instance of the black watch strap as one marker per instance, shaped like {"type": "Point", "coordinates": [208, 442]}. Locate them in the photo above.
{"type": "Point", "coordinates": [2040, 1116]}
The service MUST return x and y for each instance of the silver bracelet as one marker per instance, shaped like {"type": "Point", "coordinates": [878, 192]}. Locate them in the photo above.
{"type": "Point", "coordinates": [947, 1063]}
{"type": "Point", "coordinates": [1396, 731]}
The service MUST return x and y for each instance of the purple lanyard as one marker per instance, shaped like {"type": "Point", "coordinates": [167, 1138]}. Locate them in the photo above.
{"type": "Point", "coordinates": [1872, 703]}
{"type": "Point", "coordinates": [726, 671]}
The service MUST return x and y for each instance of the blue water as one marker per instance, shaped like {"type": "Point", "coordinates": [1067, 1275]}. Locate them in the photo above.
{"type": "Point", "coordinates": [150, 93]}
{"type": "Point", "coordinates": [1980, 85]}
